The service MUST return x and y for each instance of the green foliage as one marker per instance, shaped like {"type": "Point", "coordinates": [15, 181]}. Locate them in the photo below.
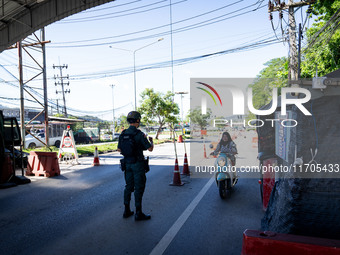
{"type": "Point", "coordinates": [59, 115]}
{"type": "Point", "coordinates": [274, 75]}
{"type": "Point", "coordinates": [158, 107]}
{"type": "Point", "coordinates": [324, 54]}
{"type": "Point", "coordinates": [104, 125]}
{"type": "Point", "coordinates": [196, 117]}
{"type": "Point", "coordinates": [123, 123]}
{"type": "Point", "coordinates": [220, 125]}
{"type": "Point", "coordinates": [88, 149]}
{"type": "Point", "coordinates": [76, 126]}
{"type": "Point", "coordinates": [325, 8]}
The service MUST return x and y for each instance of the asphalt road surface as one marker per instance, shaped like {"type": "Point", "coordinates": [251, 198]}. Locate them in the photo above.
{"type": "Point", "coordinates": [80, 211]}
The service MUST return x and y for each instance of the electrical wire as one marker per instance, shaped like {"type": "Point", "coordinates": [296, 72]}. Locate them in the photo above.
{"type": "Point", "coordinates": [119, 14]}
{"type": "Point", "coordinates": [101, 17]}
{"type": "Point", "coordinates": [52, 103]}
{"type": "Point", "coordinates": [110, 7]}
{"type": "Point", "coordinates": [274, 29]}
{"type": "Point", "coordinates": [123, 71]}
{"type": "Point", "coordinates": [154, 28]}
{"type": "Point", "coordinates": [181, 29]}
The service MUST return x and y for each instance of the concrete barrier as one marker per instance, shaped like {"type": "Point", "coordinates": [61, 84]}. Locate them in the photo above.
{"type": "Point", "coordinates": [267, 243]}
{"type": "Point", "coordinates": [43, 164]}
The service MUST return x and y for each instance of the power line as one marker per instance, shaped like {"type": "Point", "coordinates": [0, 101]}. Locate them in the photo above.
{"type": "Point", "coordinates": [52, 103]}
{"type": "Point", "coordinates": [123, 71]}
{"type": "Point", "coordinates": [110, 7]}
{"type": "Point", "coordinates": [111, 15]}
{"type": "Point", "coordinates": [154, 28]}
{"type": "Point", "coordinates": [178, 30]}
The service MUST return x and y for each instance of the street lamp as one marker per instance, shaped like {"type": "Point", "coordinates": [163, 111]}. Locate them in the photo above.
{"type": "Point", "coordinates": [113, 110]}
{"type": "Point", "coordinates": [134, 64]}
{"type": "Point", "coordinates": [134, 67]}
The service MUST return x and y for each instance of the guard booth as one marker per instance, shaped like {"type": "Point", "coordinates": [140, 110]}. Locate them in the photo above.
{"type": "Point", "coordinates": [305, 200]}
{"type": "Point", "coordinates": [302, 214]}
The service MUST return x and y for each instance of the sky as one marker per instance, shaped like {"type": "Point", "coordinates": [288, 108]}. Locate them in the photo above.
{"type": "Point", "coordinates": [98, 44]}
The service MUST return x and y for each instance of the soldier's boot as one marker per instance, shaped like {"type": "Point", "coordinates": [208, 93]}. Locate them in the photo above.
{"type": "Point", "coordinates": [140, 215]}
{"type": "Point", "coordinates": [127, 212]}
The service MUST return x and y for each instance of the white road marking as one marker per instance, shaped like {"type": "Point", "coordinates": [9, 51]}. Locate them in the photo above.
{"type": "Point", "coordinates": [172, 232]}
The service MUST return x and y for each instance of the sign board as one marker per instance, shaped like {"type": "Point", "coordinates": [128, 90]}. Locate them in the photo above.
{"type": "Point", "coordinates": [68, 144]}
{"type": "Point", "coordinates": [282, 136]}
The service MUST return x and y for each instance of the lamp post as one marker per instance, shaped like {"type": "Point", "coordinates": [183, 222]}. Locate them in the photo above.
{"type": "Point", "coordinates": [113, 110]}
{"type": "Point", "coordinates": [134, 64]}
{"type": "Point", "coordinates": [134, 67]}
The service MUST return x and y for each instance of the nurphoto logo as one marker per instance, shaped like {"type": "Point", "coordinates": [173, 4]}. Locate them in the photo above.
{"type": "Point", "coordinates": [238, 99]}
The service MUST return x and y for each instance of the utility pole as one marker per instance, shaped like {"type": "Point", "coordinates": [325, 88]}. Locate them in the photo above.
{"type": "Point", "coordinates": [276, 5]}
{"type": "Point", "coordinates": [22, 107]}
{"type": "Point", "coordinates": [47, 135]}
{"type": "Point", "coordinates": [58, 106]}
{"type": "Point", "coordinates": [181, 93]}
{"type": "Point", "coordinates": [292, 43]}
{"type": "Point", "coordinates": [113, 111]}
{"type": "Point", "coordinates": [62, 83]}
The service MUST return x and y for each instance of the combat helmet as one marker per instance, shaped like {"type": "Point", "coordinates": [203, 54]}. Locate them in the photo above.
{"type": "Point", "coordinates": [133, 116]}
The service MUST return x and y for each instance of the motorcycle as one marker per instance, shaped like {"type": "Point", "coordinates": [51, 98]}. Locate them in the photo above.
{"type": "Point", "coordinates": [225, 174]}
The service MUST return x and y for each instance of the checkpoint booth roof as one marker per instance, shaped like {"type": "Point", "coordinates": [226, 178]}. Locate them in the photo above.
{"type": "Point", "coordinates": [55, 123]}
{"type": "Point", "coordinates": [20, 18]}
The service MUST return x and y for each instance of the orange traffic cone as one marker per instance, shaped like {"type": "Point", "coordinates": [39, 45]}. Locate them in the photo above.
{"type": "Point", "coordinates": [96, 158]}
{"type": "Point", "coordinates": [205, 152]}
{"type": "Point", "coordinates": [254, 142]}
{"type": "Point", "coordinates": [180, 139]}
{"type": "Point", "coordinates": [185, 166]}
{"type": "Point", "coordinates": [177, 177]}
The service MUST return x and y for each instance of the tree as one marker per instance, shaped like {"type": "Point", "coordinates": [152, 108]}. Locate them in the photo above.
{"type": "Point", "coordinates": [123, 124]}
{"type": "Point", "coordinates": [104, 125]}
{"type": "Point", "coordinates": [274, 75]}
{"type": "Point", "coordinates": [322, 51]}
{"type": "Point", "coordinates": [158, 107]}
{"type": "Point", "coordinates": [76, 126]}
{"type": "Point", "coordinates": [202, 120]}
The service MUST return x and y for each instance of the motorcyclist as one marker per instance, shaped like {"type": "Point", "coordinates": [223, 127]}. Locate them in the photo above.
{"type": "Point", "coordinates": [226, 145]}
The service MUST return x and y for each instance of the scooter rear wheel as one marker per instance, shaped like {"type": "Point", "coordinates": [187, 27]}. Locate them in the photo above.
{"type": "Point", "coordinates": [222, 189]}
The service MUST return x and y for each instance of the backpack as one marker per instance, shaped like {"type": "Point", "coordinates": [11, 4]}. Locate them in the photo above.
{"type": "Point", "coordinates": [128, 146]}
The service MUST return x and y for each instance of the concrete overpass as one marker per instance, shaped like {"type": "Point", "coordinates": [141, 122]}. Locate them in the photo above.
{"type": "Point", "coordinates": [20, 18]}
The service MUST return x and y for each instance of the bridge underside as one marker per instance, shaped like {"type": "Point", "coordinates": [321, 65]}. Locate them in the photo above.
{"type": "Point", "coordinates": [20, 18]}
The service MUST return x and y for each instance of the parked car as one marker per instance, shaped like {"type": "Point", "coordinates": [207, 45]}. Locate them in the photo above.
{"type": "Point", "coordinates": [105, 137]}
{"type": "Point", "coordinates": [115, 136]}
{"type": "Point", "coordinates": [82, 138]}
{"type": "Point", "coordinates": [31, 142]}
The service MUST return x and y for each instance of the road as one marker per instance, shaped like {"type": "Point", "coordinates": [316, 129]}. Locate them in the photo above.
{"type": "Point", "coordinates": [80, 211]}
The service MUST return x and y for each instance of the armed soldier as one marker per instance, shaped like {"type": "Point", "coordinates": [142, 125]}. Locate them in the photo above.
{"type": "Point", "coordinates": [132, 142]}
